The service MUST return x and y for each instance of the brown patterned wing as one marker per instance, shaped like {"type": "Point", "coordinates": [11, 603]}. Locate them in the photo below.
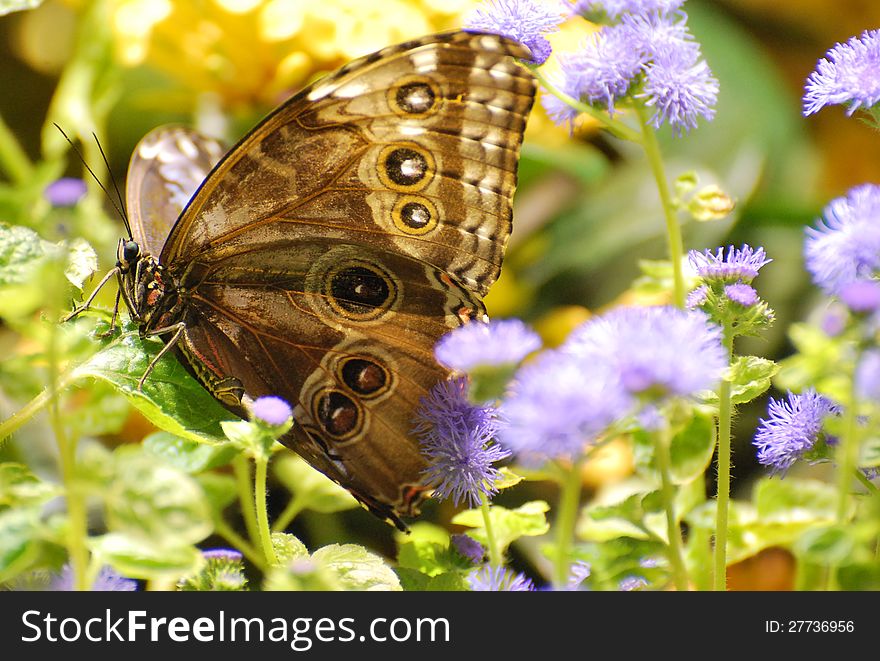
{"type": "Point", "coordinates": [167, 167]}
{"type": "Point", "coordinates": [332, 247]}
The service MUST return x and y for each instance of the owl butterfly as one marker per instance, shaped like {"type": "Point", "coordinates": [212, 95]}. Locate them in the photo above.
{"type": "Point", "coordinates": [322, 257]}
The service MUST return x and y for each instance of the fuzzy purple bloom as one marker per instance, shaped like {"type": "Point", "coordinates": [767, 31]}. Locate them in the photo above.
{"type": "Point", "coordinates": [792, 429]}
{"type": "Point", "coordinates": [557, 404]}
{"type": "Point", "coordinates": [861, 295]}
{"type": "Point", "coordinates": [679, 85]}
{"type": "Point", "coordinates": [845, 245]}
{"type": "Point", "coordinates": [499, 579]}
{"type": "Point", "coordinates": [849, 74]}
{"type": "Point", "coordinates": [222, 555]}
{"type": "Point", "coordinates": [579, 572]}
{"type": "Point", "coordinates": [697, 297]}
{"type": "Point", "coordinates": [469, 548]}
{"type": "Point", "coordinates": [655, 352]}
{"type": "Point", "coordinates": [525, 21]}
{"type": "Point", "coordinates": [108, 580]}
{"type": "Point", "coordinates": [65, 192]}
{"type": "Point", "coordinates": [741, 293]}
{"type": "Point", "coordinates": [497, 343]}
{"type": "Point", "coordinates": [631, 583]}
{"type": "Point", "coordinates": [272, 410]}
{"type": "Point", "coordinates": [738, 265]}
{"type": "Point", "coordinates": [457, 439]}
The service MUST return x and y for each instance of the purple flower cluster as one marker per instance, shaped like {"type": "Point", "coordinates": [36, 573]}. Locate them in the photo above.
{"type": "Point", "coordinates": [607, 369]}
{"type": "Point", "coordinates": [844, 247]}
{"type": "Point", "coordinates": [615, 8]}
{"type": "Point", "coordinates": [272, 410]}
{"type": "Point", "coordinates": [457, 439]}
{"type": "Point", "coordinates": [738, 265]}
{"type": "Point", "coordinates": [499, 579]}
{"type": "Point", "coordinates": [849, 75]}
{"type": "Point", "coordinates": [108, 580]}
{"type": "Point", "coordinates": [649, 54]}
{"type": "Point", "coordinates": [792, 429]}
{"type": "Point", "coordinates": [525, 21]}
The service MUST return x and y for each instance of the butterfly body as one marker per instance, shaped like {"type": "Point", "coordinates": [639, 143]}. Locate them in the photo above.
{"type": "Point", "coordinates": [322, 257]}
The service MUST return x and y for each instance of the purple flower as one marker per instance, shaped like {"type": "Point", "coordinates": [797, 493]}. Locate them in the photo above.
{"type": "Point", "coordinates": [272, 410]}
{"type": "Point", "coordinates": [579, 572]}
{"type": "Point", "coordinates": [615, 8]}
{"type": "Point", "coordinates": [631, 583]}
{"type": "Point", "coordinates": [654, 351]}
{"type": "Point", "coordinates": [557, 404]}
{"type": "Point", "coordinates": [861, 295]}
{"type": "Point", "coordinates": [65, 192]}
{"type": "Point", "coordinates": [849, 74]}
{"type": "Point", "coordinates": [845, 246]}
{"type": "Point", "coordinates": [697, 297]}
{"type": "Point", "coordinates": [457, 439]}
{"type": "Point", "coordinates": [792, 429]}
{"type": "Point", "coordinates": [469, 548]}
{"type": "Point", "coordinates": [560, 112]}
{"type": "Point", "coordinates": [108, 580]}
{"type": "Point", "coordinates": [525, 21]}
{"type": "Point", "coordinates": [497, 343]}
{"type": "Point", "coordinates": [834, 320]}
{"type": "Point", "coordinates": [222, 555]}
{"type": "Point", "coordinates": [739, 265]}
{"type": "Point", "coordinates": [741, 293]}
{"type": "Point", "coordinates": [868, 375]}
{"type": "Point", "coordinates": [680, 87]}
{"type": "Point", "coordinates": [499, 579]}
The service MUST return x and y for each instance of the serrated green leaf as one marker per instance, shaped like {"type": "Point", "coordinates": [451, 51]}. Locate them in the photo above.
{"type": "Point", "coordinates": [314, 490]}
{"type": "Point", "coordinates": [82, 261]}
{"type": "Point", "coordinates": [19, 487]}
{"type": "Point", "coordinates": [171, 399]}
{"type": "Point", "coordinates": [412, 580]}
{"type": "Point", "coordinates": [152, 499]}
{"type": "Point", "coordinates": [356, 568]}
{"type": "Point", "coordinates": [508, 525]}
{"type": "Point", "coordinates": [750, 377]}
{"type": "Point", "coordinates": [136, 556]}
{"type": "Point", "coordinates": [188, 455]}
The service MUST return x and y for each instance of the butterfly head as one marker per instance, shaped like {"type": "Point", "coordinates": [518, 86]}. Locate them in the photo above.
{"type": "Point", "coordinates": [128, 252]}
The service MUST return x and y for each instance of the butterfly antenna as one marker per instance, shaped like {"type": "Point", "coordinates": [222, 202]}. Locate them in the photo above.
{"type": "Point", "coordinates": [121, 206]}
{"type": "Point", "coordinates": [116, 205]}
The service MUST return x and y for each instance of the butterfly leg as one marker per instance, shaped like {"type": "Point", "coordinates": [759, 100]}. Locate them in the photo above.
{"type": "Point", "coordinates": [112, 328]}
{"type": "Point", "coordinates": [177, 329]}
{"type": "Point", "coordinates": [85, 306]}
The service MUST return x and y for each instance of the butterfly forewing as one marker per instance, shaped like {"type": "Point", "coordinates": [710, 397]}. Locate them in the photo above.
{"type": "Point", "coordinates": [326, 253]}
{"type": "Point", "coordinates": [167, 167]}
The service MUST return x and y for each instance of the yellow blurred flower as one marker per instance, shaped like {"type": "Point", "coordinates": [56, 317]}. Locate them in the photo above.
{"type": "Point", "coordinates": [254, 52]}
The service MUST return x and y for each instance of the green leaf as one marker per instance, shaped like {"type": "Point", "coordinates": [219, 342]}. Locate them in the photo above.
{"type": "Point", "coordinates": [82, 262]}
{"type": "Point", "coordinates": [171, 398]}
{"type": "Point", "coordinates": [691, 449]}
{"type": "Point", "coordinates": [137, 556]}
{"type": "Point", "coordinates": [313, 489]}
{"type": "Point", "coordinates": [19, 544]}
{"type": "Point", "coordinates": [831, 546]}
{"type": "Point", "coordinates": [412, 580]}
{"type": "Point", "coordinates": [288, 547]}
{"type": "Point", "coordinates": [508, 525]}
{"type": "Point", "coordinates": [154, 500]}
{"type": "Point", "coordinates": [188, 455]}
{"type": "Point", "coordinates": [794, 500]}
{"type": "Point", "coordinates": [750, 377]}
{"type": "Point", "coordinates": [19, 487]}
{"type": "Point", "coordinates": [508, 479]}
{"type": "Point", "coordinates": [356, 568]}
{"type": "Point", "coordinates": [220, 490]}
{"type": "Point", "coordinates": [816, 363]}
{"type": "Point", "coordinates": [605, 520]}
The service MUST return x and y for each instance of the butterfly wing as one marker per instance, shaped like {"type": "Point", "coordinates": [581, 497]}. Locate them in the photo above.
{"type": "Point", "coordinates": [166, 168]}
{"type": "Point", "coordinates": [329, 250]}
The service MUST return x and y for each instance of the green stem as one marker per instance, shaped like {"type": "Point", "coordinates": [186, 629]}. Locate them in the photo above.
{"type": "Point", "coordinates": [725, 412]}
{"type": "Point", "coordinates": [619, 129]}
{"type": "Point", "coordinates": [226, 532]}
{"type": "Point", "coordinates": [13, 158]}
{"type": "Point", "coordinates": [262, 467]}
{"type": "Point", "coordinates": [495, 558]}
{"type": "Point", "coordinates": [9, 426]}
{"type": "Point", "coordinates": [673, 533]}
{"type": "Point", "coordinates": [241, 467]}
{"type": "Point", "coordinates": [848, 450]}
{"type": "Point", "coordinates": [673, 229]}
{"type": "Point", "coordinates": [870, 486]}
{"type": "Point", "coordinates": [569, 500]}
{"type": "Point", "coordinates": [294, 507]}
